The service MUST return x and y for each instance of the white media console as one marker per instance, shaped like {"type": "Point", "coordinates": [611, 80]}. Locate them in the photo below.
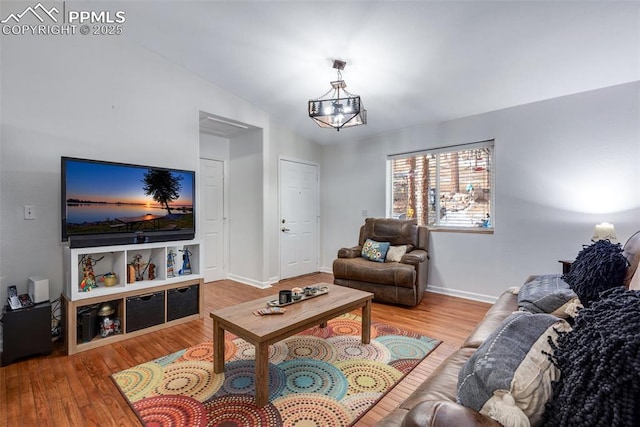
{"type": "Point", "coordinates": [140, 306]}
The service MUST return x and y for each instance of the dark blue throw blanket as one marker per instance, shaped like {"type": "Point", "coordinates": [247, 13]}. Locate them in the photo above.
{"type": "Point", "coordinates": [599, 362]}
{"type": "Point", "coordinates": [597, 267]}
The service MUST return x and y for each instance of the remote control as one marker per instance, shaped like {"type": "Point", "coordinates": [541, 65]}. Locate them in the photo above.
{"type": "Point", "coordinates": [269, 310]}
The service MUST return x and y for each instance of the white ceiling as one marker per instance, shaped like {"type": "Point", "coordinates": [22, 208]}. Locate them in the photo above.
{"type": "Point", "coordinates": [412, 62]}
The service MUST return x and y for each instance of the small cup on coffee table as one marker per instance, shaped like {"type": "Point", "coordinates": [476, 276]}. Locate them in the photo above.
{"type": "Point", "coordinates": [284, 297]}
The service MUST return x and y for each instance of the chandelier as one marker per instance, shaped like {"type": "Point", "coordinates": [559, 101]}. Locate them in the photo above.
{"type": "Point", "coordinates": [338, 108]}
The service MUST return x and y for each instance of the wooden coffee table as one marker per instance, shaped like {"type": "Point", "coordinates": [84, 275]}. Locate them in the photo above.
{"type": "Point", "coordinates": [262, 331]}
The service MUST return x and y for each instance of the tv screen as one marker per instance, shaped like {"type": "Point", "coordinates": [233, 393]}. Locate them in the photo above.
{"type": "Point", "coordinates": [116, 203]}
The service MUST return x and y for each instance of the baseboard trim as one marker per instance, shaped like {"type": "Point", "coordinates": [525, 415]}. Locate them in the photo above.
{"type": "Point", "coordinates": [326, 270]}
{"type": "Point", "coordinates": [250, 282]}
{"type": "Point", "coordinates": [462, 294]}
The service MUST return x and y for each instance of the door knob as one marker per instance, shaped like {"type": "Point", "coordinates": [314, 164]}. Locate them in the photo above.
{"type": "Point", "coordinates": [284, 230]}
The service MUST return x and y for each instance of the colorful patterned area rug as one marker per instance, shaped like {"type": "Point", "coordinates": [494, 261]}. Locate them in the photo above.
{"type": "Point", "coordinates": [319, 377]}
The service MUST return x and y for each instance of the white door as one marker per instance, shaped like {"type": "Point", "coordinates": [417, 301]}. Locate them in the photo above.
{"type": "Point", "coordinates": [212, 213]}
{"type": "Point", "coordinates": [298, 218]}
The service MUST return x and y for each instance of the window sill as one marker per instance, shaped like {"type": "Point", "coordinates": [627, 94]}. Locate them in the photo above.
{"type": "Point", "coordinates": [471, 230]}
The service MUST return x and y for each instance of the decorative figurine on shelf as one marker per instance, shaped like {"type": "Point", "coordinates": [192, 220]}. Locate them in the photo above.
{"type": "Point", "coordinates": [148, 265]}
{"type": "Point", "coordinates": [108, 324]}
{"type": "Point", "coordinates": [171, 261]}
{"type": "Point", "coordinates": [152, 270]}
{"type": "Point", "coordinates": [138, 264]}
{"type": "Point", "coordinates": [88, 276]}
{"type": "Point", "coordinates": [131, 273]}
{"type": "Point", "coordinates": [186, 262]}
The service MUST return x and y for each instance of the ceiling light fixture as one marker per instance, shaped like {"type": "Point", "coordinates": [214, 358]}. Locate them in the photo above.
{"type": "Point", "coordinates": [338, 108]}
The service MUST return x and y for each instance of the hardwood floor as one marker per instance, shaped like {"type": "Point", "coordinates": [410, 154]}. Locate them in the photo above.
{"type": "Point", "coordinates": [60, 390]}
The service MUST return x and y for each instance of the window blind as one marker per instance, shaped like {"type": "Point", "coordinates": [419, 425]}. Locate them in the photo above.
{"type": "Point", "coordinates": [449, 187]}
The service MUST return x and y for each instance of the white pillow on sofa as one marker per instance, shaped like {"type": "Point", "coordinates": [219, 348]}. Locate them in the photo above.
{"type": "Point", "coordinates": [395, 253]}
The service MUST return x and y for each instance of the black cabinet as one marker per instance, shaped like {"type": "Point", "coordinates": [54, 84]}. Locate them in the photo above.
{"type": "Point", "coordinates": [26, 332]}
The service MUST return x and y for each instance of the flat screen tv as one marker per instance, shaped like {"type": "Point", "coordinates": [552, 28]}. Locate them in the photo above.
{"type": "Point", "coordinates": [107, 203]}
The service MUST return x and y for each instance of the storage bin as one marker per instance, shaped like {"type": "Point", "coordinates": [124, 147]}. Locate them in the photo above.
{"type": "Point", "coordinates": [87, 320]}
{"type": "Point", "coordinates": [182, 302]}
{"type": "Point", "coordinates": [144, 311]}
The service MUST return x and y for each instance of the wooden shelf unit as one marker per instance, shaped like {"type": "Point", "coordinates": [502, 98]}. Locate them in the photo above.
{"type": "Point", "coordinates": [115, 259]}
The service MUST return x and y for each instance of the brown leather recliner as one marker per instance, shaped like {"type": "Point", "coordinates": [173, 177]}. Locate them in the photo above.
{"type": "Point", "coordinates": [402, 282]}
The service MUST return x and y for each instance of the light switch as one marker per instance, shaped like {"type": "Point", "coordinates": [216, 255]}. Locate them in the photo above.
{"type": "Point", "coordinates": [29, 212]}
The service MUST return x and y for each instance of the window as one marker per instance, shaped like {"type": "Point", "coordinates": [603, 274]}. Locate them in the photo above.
{"type": "Point", "coordinates": [445, 188]}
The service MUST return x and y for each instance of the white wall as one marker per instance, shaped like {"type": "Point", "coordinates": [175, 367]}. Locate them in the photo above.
{"type": "Point", "coordinates": [246, 206]}
{"type": "Point", "coordinates": [562, 166]}
{"type": "Point", "coordinates": [214, 147]}
{"type": "Point", "coordinates": [94, 97]}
